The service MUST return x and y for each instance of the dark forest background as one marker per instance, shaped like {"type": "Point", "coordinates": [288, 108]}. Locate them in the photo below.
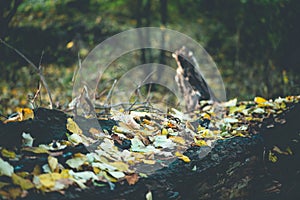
{"type": "Point", "coordinates": [255, 43]}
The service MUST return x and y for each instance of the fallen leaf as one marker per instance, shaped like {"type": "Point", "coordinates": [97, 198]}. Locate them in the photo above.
{"type": "Point", "coordinates": [164, 131]}
{"type": "Point", "coordinates": [163, 141]}
{"type": "Point", "coordinates": [116, 174]}
{"type": "Point", "coordinates": [94, 131]}
{"type": "Point", "coordinates": [48, 180]}
{"type": "Point", "coordinates": [75, 139]}
{"type": "Point", "coordinates": [132, 179]}
{"type": "Point", "coordinates": [121, 166]}
{"type": "Point", "coordinates": [27, 139]}
{"type": "Point", "coordinates": [182, 157]}
{"type": "Point", "coordinates": [73, 127]}
{"type": "Point", "coordinates": [6, 168]}
{"type": "Point", "coordinates": [36, 150]}
{"type": "Point", "coordinates": [25, 184]}
{"type": "Point", "coordinates": [149, 162]}
{"type": "Point", "coordinates": [177, 139]}
{"type": "Point", "coordinates": [53, 163]}
{"type": "Point", "coordinates": [259, 100]}
{"type": "Point", "coordinates": [200, 143]}
{"type": "Point", "coordinates": [230, 120]}
{"type": "Point", "coordinates": [149, 195]}
{"type": "Point", "coordinates": [138, 146]}
{"type": "Point", "coordinates": [272, 157]}
{"type": "Point", "coordinates": [76, 162]}
{"type": "Point", "coordinates": [84, 176]}
{"type": "Point", "coordinates": [8, 154]}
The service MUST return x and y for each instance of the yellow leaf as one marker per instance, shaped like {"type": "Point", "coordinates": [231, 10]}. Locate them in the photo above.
{"type": "Point", "coordinates": [289, 150]}
{"type": "Point", "coordinates": [200, 142]}
{"type": "Point", "coordinates": [272, 157]}
{"type": "Point", "coordinates": [96, 170]}
{"type": "Point", "coordinates": [25, 113]}
{"type": "Point", "coordinates": [177, 139]}
{"type": "Point", "coordinates": [65, 173]}
{"type": "Point", "coordinates": [120, 166]}
{"type": "Point", "coordinates": [182, 157]}
{"type": "Point", "coordinates": [48, 180]}
{"type": "Point", "coordinates": [206, 116]}
{"type": "Point", "coordinates": [8, 154]}
{"type": "Point", "coordinates": [149, 162]}
{"type": "Point", "coordinates": [73, 127]}
{"type": "Point", "coordinates": [259, 100]}
{"type": "Point", "coordinates": [36, 150]}
{"type": "Point", "coordinates": [53, 163]}
{"type": "Point", "coordinates": [238, 134]}
{"type": "Point", "coordinates": [164, 131]}
{"type": "Point", "coordinates": [21, 115]}
{"type": "Point", "coordinates": [25, 184]}
{"type": "Point", "coordinates": [70, 45]}
{"type": "Point", "coordinates": [237, 109]}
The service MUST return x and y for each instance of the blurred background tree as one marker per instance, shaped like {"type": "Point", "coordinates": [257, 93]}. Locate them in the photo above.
{"type": "Point", "coordinates": [255, 43]}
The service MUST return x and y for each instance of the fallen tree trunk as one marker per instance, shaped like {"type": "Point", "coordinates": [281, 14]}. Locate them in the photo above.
{"type": "Point", "coordinates": [236, 168]}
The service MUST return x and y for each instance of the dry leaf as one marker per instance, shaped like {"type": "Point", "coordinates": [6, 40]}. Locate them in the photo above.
{"type": "Point", "coordinates": [94, 131]}
{"type": "Point", "coordinates": [53, 163]}
{"type": "Point", "coordinates": [25, 184]}
{"type": "Point", "coordinates": [182, 157]}
{"type": "Point", "coordinates": [177, 139]}
{"type": "Point", "coordinates": [73, 127]}
{"type": "Point", "coordinates": [27, 140]}
{"type": "Point", "coordinates": [132, 179]}
{"type": "Point", "coordinates": [6, 168]}
{"type": "Point", "coordinates": [8, 154]}
{"type": "Point", "coordinates": [149, 195]}
{"type": "Point", "coordinates": [76, 162]}
{"type": "Point", "coordinates": [48, 180]}
{"type": "Point", "coordinates": [259, 100]}
{"type": "Point", "coordinates": [149, 162]}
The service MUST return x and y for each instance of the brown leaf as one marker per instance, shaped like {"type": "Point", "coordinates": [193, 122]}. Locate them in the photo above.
{"type": "Point", "coordinates": [132, 179]}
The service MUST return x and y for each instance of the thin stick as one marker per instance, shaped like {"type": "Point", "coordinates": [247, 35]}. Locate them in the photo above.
{"type": "Point", "coordinates": [40, 63]}
{"type": "Point", "coordinates": [38, 69]}
{"type": "Point", "coordinates": [36, 94]}
{"type": "Point", "coordinates": [110, 92]}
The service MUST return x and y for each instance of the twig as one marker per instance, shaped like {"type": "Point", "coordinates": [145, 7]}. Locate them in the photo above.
{"type": "Point", "coordinates": [110, 92]}
{"type": "Point", "coordinates": [38, 69]}
{"type": "Point", "coordinates": [36, 95]}
{"type": "Point", "coordinates": [40, 63]}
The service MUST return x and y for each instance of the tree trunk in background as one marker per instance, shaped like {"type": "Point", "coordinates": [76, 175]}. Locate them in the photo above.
{"type": "Point", "coordinates": [164, 15]}
{"type": "Point", "coordinates": [5, 19]}
{"type": "Point", "coordinates": [139, 17]}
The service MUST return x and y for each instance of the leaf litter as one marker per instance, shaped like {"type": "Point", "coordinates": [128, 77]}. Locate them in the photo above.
{"type": "Point", "coordinates": [140, 140]}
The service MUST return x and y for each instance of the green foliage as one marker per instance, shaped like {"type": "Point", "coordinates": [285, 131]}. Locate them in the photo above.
{"type": "Point", "coordinates": [254, 43]}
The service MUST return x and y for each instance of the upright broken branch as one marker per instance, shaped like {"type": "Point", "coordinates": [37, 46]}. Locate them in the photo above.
{"type": "Point", "coordinates": [190, 82]}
